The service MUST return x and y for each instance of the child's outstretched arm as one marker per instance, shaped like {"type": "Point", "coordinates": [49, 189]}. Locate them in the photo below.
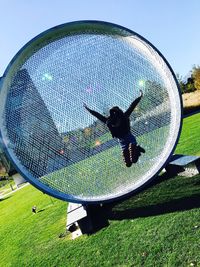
{"type": "Point", "coordinates": [96, 114]}
{"type": "Point", "coordinates": [133, 105]}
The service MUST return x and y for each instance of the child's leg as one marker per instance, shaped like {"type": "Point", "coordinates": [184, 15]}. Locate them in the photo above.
{"type": "Point", "coordinates": [135, 152]}
{"type": "Point", "coordinates": [134, 155]}
{"type": "Point", "coordinates": [126, 157]}
{"type": "Point", "coordinates": [125, 151]}
{"type": "Point", "coordinates": [141, 149]}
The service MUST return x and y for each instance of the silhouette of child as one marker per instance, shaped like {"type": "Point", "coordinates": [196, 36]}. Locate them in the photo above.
{"type": "Point", "coordinates": [118, 123]}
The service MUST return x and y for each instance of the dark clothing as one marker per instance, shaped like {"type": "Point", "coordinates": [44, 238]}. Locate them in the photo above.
{"type": "Point", "coordinates": [126, 140]}
{"type": "Point", "coordinates": [118, 122]}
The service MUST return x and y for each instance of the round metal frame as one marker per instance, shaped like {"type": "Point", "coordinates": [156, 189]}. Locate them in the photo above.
{"type": "Point", "coordinates": [8, 131]}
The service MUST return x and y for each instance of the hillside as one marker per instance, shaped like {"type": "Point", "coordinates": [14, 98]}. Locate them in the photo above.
{"type": "Point", "coordinates": [158, 227]}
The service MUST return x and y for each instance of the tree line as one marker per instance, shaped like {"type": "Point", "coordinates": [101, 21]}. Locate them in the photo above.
{"type": "Point", "coordinates": [192, 83]}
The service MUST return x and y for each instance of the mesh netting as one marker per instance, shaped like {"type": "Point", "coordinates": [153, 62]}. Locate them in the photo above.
{"type": "Point", "coordinates": [55, 142]}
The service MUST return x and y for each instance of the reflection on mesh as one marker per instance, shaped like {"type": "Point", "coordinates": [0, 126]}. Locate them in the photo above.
{"type": "Point", "coordinates": [62, 146]}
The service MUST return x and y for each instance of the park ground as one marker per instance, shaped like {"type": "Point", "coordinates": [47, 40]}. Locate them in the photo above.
{"type": "Point", "coordinates": [158, 227]}
{"type": "Point", "coordinates": [191, 101]}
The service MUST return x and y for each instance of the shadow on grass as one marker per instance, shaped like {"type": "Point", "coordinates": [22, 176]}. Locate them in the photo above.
{"type": "Point", "coordinates": [164, 195]}
{"type": "Point", "coordinates": [198, 182]}
{"type": "Point", "coordinates": [4, 198]}
{"type": "Point", "coordinates": [40, 210]}
{"type": "Point", "coordinates": [182, 204]}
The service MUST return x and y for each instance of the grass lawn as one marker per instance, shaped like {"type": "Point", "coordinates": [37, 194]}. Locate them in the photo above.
{"type": "Point", "coordinates": [189, 143]}
{"type": "Point", "coordinates": [158, 227]}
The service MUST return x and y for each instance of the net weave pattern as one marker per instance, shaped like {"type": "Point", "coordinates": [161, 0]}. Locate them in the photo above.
{"type": "Point", "coordinates": [60, 145]}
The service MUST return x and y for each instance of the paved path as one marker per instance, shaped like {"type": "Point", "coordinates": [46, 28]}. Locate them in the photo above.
{"type": "Point", "coordinates": [12, 192]}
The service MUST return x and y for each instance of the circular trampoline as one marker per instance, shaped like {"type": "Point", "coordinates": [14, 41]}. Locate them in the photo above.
{"type": "Point", "coordinates": [55, 143]}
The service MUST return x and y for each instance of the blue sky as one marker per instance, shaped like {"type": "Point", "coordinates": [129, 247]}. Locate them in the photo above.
{"type": "Point", "coordinates": [172, 26]}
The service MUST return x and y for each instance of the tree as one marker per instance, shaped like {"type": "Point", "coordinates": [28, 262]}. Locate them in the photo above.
{"type": "Point", "coordinates": [186, 86]}
{"type": "Point", "coordinates": [196, 76]}
{"type": "Point", "coordinates": [181, 84]}
{"type": "Point", "coordinates": [190, 87]}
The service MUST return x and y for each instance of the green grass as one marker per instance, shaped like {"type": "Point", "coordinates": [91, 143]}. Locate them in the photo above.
{"type": "Point", "coordinates": [158, 227]}
{"type": "Point", "coordinates": [25, 236]}
{"type": "Point", "coordinates": [189, 142]}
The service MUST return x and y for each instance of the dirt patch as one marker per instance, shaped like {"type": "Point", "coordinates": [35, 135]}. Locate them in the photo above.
{"type": "Point", "coordinates": [191, 99]}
